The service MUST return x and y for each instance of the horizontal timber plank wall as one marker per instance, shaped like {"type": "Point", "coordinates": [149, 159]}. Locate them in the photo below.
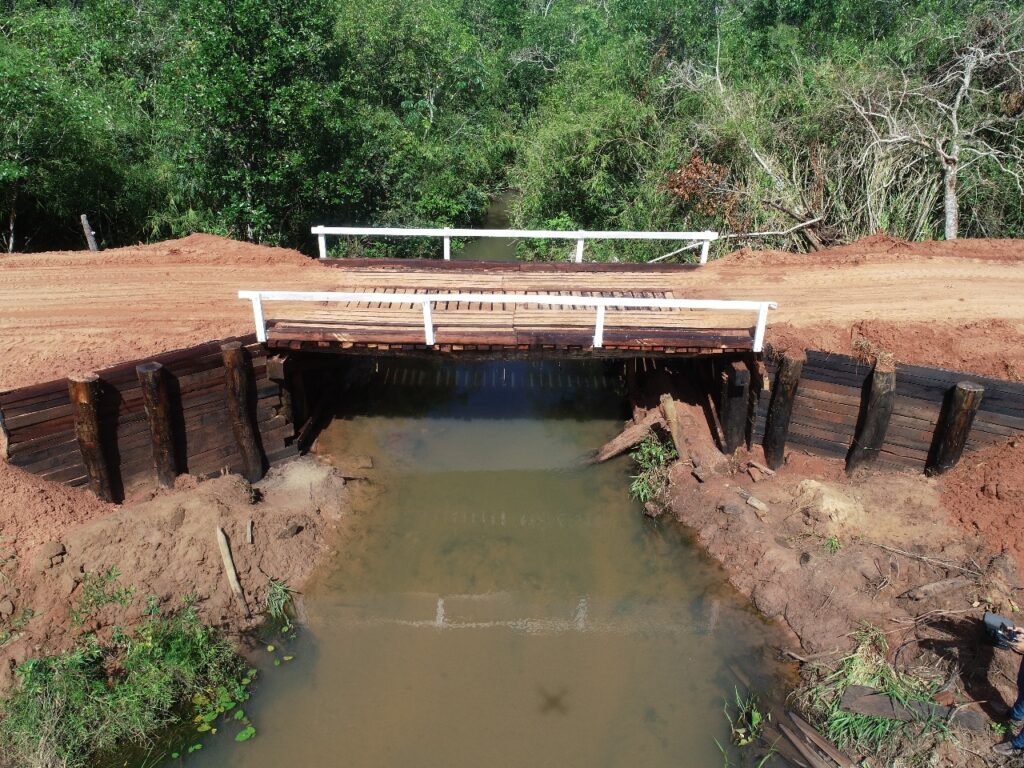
{"type": "Point", "coordinates": [37, 431]}
{"type": "Point", "coordinates": [828, 404]}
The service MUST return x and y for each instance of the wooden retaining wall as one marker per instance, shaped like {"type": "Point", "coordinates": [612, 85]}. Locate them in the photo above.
{"type": "Point", "coordinates": [829, 400]}
{"type": "Point", "coordinates": [37, 425]}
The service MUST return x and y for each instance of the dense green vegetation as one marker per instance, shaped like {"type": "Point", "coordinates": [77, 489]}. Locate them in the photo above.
{"type": "Point", "coordinates": [255, 119]}
{"type": "Point", "coordinates": [112, 695]}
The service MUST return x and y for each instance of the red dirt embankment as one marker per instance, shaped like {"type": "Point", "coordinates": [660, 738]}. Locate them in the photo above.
{"type": "Point", "coordinates": [956, 304]}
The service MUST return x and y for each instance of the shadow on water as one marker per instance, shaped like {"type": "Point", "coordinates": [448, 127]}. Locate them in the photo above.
{"type": "Point", "coordinates": [495, 601]}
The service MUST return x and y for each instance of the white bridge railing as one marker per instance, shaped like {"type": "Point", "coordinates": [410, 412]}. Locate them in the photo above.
{"type": "Point", "coordinates": [599, 303]}
{"type": "Point", "coordinates": [702, 240]}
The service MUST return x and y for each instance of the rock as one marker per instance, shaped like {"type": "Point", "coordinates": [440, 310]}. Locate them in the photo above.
{"type": "Point", "coordinates": [6, 608]}
{"type": "Point", "coordinates": [757, 504]}
{"type": "Point", "coordinates": [805, 558]}
{"type": "Point", "coordinates": [48, 555]}
{"type": "Point", "coordinates": [698, 472]}
{"type": "Point", "coordinates": [990, 490]}
{"type": "Point", "coordinates": [730, 509]}
{"type": "Point", "coordinates": [290, 531]}
{"type": "Point", "coordinates": [653, 510]}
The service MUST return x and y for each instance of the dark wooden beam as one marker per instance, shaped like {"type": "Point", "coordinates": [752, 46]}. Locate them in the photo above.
{"type": "Point", "coordinates": [85, 396]}
{"type": "Point", "coordinates": [238, 391]}
{"type": "Point", "coordinates": [954, 426]}
{"type": "Point", "coordinates": [284, 371]}
{"type": "Point", "coordinates": [780, 409]}
{"type": "Point", "coordinates": [877, 403]}
{"type": "Point", "coordinates": [734, 404]}
{"type": "Point", "coordinates": [157, 401]}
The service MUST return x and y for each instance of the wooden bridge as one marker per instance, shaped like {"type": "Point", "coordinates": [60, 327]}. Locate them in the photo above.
{"type": "Point", "coordinates": [420, 306]}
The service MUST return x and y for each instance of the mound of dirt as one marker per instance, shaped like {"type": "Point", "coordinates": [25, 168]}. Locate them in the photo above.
{"type": "Point", "coordinates": [984, 347]}
{"type": "Point", "coordinates": [882, 247]}
{"type": "Point", "coordinates": [166, 547]}
{"type": "Point", "coordinates": [34, 511]}
{"type": "Point", "coordinates": [984, 494]}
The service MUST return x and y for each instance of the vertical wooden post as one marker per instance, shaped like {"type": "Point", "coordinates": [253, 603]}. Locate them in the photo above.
{"type": "Point", "coordinates": [734, 404]}
{"type": "Point", "coordinates": [780, 409]}
{"type": "Point", "coordinates": [157, 401]}
{"type": "Point", "coordinates": [954, 426]}
{"type": "Point", "coordinates": [876, 410]}
{"type": "Point", "coordinates": [90, 236]}
{"type": "Point", "coordinates": [241, 405]}
{"type": "Point", "coordinates": [85, 396]}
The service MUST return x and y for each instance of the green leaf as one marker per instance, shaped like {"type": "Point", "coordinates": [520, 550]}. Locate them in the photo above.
{"type": "Point", "coordinates": [246, 733]}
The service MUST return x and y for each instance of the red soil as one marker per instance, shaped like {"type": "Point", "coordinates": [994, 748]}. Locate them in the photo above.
{"type": "Point", "coordinates": [985, 494]}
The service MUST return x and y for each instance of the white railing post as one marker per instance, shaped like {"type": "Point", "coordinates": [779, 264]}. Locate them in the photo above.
{"type": "Point", "coordinates": [428, 324]}
{"type": "Point", "coordinates": [599, 327]}
{"type": "Point", "coordinates": [257, 313]}
{"type": "Point", "coordinates": [704, 251]}
{"type": "Point", "coordinates": [321, 242]}
{"type": "Point", "coordinates": [762, 322]}
{"type": "Point", "coordinates": [579, 250]}
{"type": "Point", "coordinates": [447, 246]}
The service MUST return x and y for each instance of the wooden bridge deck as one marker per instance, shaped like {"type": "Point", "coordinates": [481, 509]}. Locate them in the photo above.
{"type": "Point", "coordinates": [497, 327]}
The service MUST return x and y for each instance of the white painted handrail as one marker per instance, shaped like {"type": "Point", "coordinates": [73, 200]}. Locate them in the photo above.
{"type": "Point", "coordinates": [703, 239]}
{"type": "Point", "coordinates": [425, 300]}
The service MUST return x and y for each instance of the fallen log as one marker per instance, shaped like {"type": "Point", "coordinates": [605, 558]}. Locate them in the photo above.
{"type": "Point", "coordinates": [668, 409]}
{"type": "Point", "coordinates": [629, 437]}
{"type": "Point", "coordinates": [861, 700]}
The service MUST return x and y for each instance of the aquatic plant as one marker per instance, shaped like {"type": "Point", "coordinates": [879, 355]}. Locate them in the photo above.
{"type": "Point", "coordinates": [72, 708]}
{"type": "Point", "coordinates": [279, 603]}
{"type": "Point", "coordinates": [652, 457]}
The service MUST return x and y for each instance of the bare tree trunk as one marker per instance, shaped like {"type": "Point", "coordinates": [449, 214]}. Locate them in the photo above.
{"type": "Point", "coordinates": [950, 203]}
{"type": "Point", "coordinates": [10, 230]}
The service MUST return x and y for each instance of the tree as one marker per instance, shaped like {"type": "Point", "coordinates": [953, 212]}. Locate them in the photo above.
{"type": "Point", "coordinates": [963, 114]}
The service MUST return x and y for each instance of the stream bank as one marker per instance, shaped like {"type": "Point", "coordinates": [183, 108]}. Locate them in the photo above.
{"type": "Point", "coordinates": [835, 560]}
{"type": "Point", "coordinates": [165, 546]}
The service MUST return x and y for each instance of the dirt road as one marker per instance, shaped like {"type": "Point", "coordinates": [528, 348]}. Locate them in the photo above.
{"type": "Point", "coordinates": [956, 304]}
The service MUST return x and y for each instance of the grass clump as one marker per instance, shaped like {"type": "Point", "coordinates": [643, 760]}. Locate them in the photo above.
{"type": "Point", "coordinates": [71, 709]}
{"type": "Point", "coordinates": [889, 741]}
{"type": "Point", "coordinates": [280, 604]}
{"type": "Point", "coordinates": [652, 458]}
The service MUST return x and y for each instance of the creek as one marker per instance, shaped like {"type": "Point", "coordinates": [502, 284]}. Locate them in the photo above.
{"type": "Point", "coordinates": [495, 601]}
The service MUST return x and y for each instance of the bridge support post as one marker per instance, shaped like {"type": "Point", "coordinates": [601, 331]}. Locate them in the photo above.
{"type": "Point", "coordinates": [85, 396]}
{"type": "Point", "coordinates": [733, 404]}
{"type": "Point", "coordinates": [780, 408]}
{"type": "Point", "coordinates": [954, 426]}
{"type": "Point", "coordinates": [282, 370]}
{"type": "Point", "coordinates": [876, 410]}
{"type": "Point", "coordinates": [157, 401]}
{"type": "Point", "coordinates": [241, 403]}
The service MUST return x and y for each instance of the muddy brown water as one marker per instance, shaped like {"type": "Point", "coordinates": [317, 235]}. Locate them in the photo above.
{"type": "Point", "coordinates": [495, 601]}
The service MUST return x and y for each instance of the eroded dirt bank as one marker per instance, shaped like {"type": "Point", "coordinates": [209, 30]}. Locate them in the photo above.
{"type": "Point", "coordinates": [164, 546]}
{"type": "Point", "coordinates": [921, 559]}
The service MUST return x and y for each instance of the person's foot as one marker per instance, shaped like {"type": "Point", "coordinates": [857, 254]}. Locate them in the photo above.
{"type": "Point", "coordinates": [1007, 749]}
